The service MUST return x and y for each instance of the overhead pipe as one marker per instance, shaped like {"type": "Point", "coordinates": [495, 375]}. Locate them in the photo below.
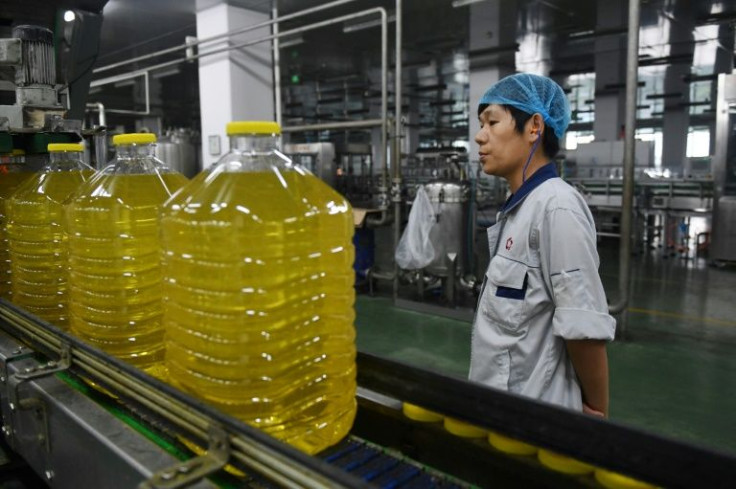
{"type": "Point", "coordinates": [632, 67]}
{"type": "Point", "coordinates": [100, 107]}
{"type": "Point", "coordinates": [277, 35]}
{"type": "Point", "coordinates": [334, 125]}
{"type": "Point", "coordinates": [100, 141]}
{"type": "Point", "coordinates": [197, 42]}
{"type": "Point", "coordinates": [396, 148]}
{"type": "Point", "coordinates": [297, 30]}
{"type": "Point", "coordinates": [371, 123]}
{"type": "Point", "coordinates": [384, 218]}
{"type": "Point", "coordinates": [128, 76]}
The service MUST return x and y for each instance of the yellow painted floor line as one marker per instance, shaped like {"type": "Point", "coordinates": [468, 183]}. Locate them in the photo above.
{"type": "Point", "coordinates": [653, 312]}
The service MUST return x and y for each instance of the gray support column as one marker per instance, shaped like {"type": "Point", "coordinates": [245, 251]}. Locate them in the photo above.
{"type": "Point", "coordinates": [492, 50]}
{"type": "Point", "coordinates": [724, 62]}
{"type": "Point", "coordinates": [234, 85]}
{"type": "Point", "coordinates": [610, 69]}
{"type": "Point", "coordinates": [676, 113]}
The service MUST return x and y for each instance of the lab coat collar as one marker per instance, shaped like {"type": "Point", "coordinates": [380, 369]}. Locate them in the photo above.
{"type": "Point", "coordinates": [540, 176]}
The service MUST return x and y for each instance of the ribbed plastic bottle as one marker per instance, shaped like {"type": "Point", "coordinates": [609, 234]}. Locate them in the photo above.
{"type": "Point", "coordinates": [258, 292]}
{"type": "Point", "coordinates": [13, 172]}
{"type": "Point", "coordinates": [115, 251]}
{"type": "Point", "coordinates": [36, 237]}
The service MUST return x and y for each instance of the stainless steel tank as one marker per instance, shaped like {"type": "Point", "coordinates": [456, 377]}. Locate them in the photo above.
{"type": "Point", "coordinates": [450, 233]}
{"type": "Point", "coordinates": [178, 150]}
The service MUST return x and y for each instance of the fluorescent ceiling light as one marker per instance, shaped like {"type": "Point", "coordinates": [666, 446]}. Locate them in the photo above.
{"type": "Point", "coordinates": [463, 3]}
{"type": "Point", "coordinates": [366, 25]}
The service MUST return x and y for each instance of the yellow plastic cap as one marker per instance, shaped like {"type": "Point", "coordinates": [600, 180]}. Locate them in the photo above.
{"type": "Point", "coordinates": [462, 429]}
{"type": "Point", "coordinates": [612, 480]}
{"type": "Point", "coordinates": [134, 138]}
{"type": "Point", "coordinates": [57, 147]}
{"type": "Point", "coordinates": [252, 127]}
{"type": "Point", "coordinates": [509, 445]}
{"type": "Point", "coordinates": [417, 413]}
{"type": "Point", "coordinates": [561, 463]}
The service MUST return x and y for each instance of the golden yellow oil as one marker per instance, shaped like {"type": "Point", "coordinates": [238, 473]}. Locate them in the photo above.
{"type": "Point", "coordinates": [114, 258]}
{"type": "Point", "coordinates": [37, 243]}
{"type": "Point", "coordinates": [9, 182]}
{"type": "Point", "coordinates": [258, 301]}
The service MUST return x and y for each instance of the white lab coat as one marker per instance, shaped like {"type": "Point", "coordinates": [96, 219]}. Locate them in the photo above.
{"type": "Point", "coordinates": [541, 288]}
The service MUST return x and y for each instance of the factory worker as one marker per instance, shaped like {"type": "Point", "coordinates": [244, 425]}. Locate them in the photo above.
{"type": "Point", "coordinates": [542, 321]}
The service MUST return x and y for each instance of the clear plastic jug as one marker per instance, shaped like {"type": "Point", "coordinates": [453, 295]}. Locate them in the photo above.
{"type": "Point", "coordinates": [258, 293]}
{"type": "Point", "coordinates": [36, 238]}
{"type": "Point", "coordinates": [114, 254]}
{"type": "Point", "coordinates": [13, 172]}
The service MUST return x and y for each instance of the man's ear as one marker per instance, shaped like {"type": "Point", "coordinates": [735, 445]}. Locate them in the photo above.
{"type": "Point", "coordinates": [536, 127]}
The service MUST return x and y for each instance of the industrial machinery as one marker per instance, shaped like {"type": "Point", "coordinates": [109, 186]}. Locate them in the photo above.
{"type": "Point", "coordinates": [178, 148]}
{"type": "Point", "coordinates": [63, 402]}
{"type": "Point", "coordinates": [318, 158]}
{"type": "Point", "coordinates": [449, 234]}
{"type": "Point", "coordinates": [47, 73]}
{"type": "Point", "coordinates": [663, 205]}
{"type": "Point", "coordinates": [603, 159]}
{"type": "Point", "coordinates": [447, 285]}
{"type": "Point", "coordinates": [723, 245]}
{"type": "Point", "coordinates": [355, 178]}
{"type": "Point", "coordinates": [38, 115]}
{"type": "Point", "coordinates": [31, 52]}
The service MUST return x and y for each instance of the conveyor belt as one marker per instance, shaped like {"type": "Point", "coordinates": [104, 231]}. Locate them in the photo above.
{"type": "Point", "coordinates": [53, 425]}
{"type": "Point", "coordinates": [364, 460]}
{"type": "Point", "coordinates": [381, 469]}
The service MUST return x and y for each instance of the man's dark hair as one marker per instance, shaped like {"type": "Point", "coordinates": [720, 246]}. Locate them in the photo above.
{"type": "Point", "coordinates": [550, 143]}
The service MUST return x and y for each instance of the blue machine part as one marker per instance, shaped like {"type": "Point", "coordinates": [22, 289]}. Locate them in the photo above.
{"type": "Point", "coordinates": [364, 243]}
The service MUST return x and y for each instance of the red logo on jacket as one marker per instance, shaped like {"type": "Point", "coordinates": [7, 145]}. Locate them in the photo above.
{"type": "Point", "coordinates": [509, 243]}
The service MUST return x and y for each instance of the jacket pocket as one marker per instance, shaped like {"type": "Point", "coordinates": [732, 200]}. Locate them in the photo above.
{"type": "Point", "coordinates": [507, 283]}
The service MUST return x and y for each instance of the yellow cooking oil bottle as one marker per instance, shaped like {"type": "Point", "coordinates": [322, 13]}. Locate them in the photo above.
{"type": "Point", "coordinates": [258, 292]}
{"type": "Point", "coordinates": [13, 172]}
{"type": "Point", "coordinates": [114, 254]}
{"type": "Point", "coordinates": [36, 239]}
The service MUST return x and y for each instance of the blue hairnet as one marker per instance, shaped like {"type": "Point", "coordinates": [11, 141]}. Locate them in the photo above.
{"type": "Point", "coordinates": [532, 94]}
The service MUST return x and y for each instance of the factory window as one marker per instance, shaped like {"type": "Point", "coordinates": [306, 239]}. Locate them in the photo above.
{"type": "Point", "coordinates": [700, 94]}
{"type": "Point", "coordinates": [581, 95]}
{"type": "Point", "coordinates": [698, 142]}
{"type": "Point", "coordinates": [573, 138]}
{"type": "Point", "coordinates": [653, 79]}
{"type": "Point", "coordinates": [706, 46]}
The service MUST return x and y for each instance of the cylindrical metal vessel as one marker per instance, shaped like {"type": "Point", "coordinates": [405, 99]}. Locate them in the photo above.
{"type": "Point", "coordinates": [179, 152]}
{"type": "Point", "coordinates": [449, 234]}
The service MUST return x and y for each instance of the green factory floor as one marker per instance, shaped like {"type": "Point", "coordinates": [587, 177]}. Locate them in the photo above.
{"type": "Point", "coordinates": [673, 374]}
